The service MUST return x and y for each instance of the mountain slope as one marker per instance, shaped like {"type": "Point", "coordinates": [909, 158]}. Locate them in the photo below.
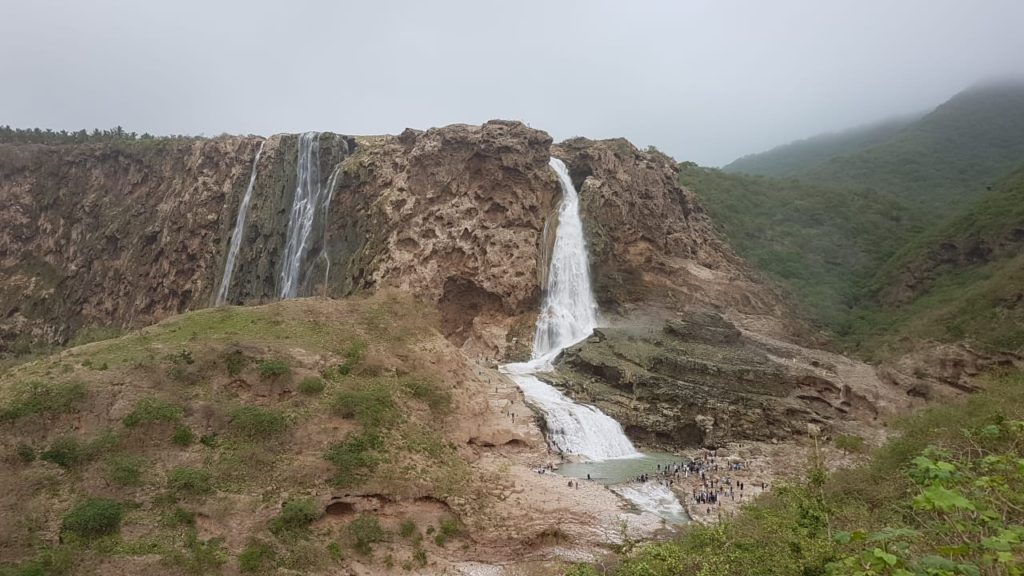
{"type": "Point", "coordinates": [943, 160]}
{"type": "Point", "coordinates": [963, 279]}
{"type": "Point", "coordinates": [793, 158]}
{"type": "Point", "coordinates": [816, 240]}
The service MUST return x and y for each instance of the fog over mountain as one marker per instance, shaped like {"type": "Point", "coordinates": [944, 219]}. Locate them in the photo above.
{"type": "Point", "coordinates": [701, 80]}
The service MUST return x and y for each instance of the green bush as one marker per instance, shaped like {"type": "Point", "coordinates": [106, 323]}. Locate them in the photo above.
{"type": "Point", "coordinates": [295, 517]}
{"type": "Point", "coordinates": [365, 532]}
{"type": "Point", "coordinates": [255, 558]}
{"type": "Point", "coordinates": [93, 518]}
{"type": "Point", "coordinates": [25, 453]}
{"type": "Point", "coordinates": [256, 423]}
{"type": "Point", "coordinates": [439, 401]}
{"type": "Point", "coordinates": [66, 452]}
{"type": "Point", "coordinates": [201, 557]}
{"type": "Point", "coordinates": [32, 398]}
{"type": "Point", "coordinates": [150, 410]}
{"type": "Point", "coordinates": [191, 481]}
{"type": "Point", "coordinates": [355, 458]}
{"type": "Point", "coordinates": [272, 368]}
{"type": "Point", "coordinates": [311, 385]}
{"type": "Point", "coordinates": [125, 470]}
{"type": "Point", "coordinates": [183, 436]}
{"type": "Point", "coordinates": [335, 551]}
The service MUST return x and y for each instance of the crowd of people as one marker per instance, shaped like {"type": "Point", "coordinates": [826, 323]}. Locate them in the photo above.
{"type": "Point", "coordinates": [709, 477]}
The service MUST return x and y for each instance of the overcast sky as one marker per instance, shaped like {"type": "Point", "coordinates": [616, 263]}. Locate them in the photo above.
{"type": "Point", "coordinates": [703, 81]}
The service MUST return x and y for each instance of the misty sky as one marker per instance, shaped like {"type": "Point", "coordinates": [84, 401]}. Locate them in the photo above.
{"type": "Point", "coordinates": [703, 81]}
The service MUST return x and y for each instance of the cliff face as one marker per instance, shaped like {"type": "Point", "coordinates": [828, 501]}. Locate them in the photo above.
{"type": "Point", "coordinates": [112, 234]}
{"type": "Point", "coordinates": [125, 234]}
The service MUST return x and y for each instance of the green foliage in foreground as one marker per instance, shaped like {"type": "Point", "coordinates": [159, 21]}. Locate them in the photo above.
{"type": "Point", "coordinates": [946, 498]}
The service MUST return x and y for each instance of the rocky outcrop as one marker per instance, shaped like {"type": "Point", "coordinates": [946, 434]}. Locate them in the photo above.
{"type": "Point", "coordinates": [650, 241]}
{"type": "Point", "coordinates": [697, 380]}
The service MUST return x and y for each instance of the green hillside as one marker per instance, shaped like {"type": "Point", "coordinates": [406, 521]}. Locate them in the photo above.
{"type": "Point", "coordinates": [819, 241]}
{"type": "Point", "coordinates": [943, 160]}
{"type": "Point", "coordinates": [963, 279]}
{"type": "Point", "coordinates": [902, 240]}
{"type": "Point", "coordinates": [793, 158]}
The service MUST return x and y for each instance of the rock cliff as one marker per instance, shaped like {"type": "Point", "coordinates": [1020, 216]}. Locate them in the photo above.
{"type": "Point", "coordinates": [127, 233]}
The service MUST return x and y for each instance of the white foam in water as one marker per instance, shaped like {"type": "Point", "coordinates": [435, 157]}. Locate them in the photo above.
{"type": "Point", "coordinates": [654, 497]}
{"type": "Point", "coordinates": [236, 235]}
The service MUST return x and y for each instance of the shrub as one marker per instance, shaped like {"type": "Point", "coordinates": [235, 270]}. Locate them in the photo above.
{"type": "Point", "coordinates": [25, 452]}
{"type": "Point", "coordinates": [190, 481]}
{"type": "Point", "coordinates": [209, 440]}
{"type": "Point", "coordinates": [439, 401]}
{"type": "Point", "coordinates": [272, 369]}
{"type": "Point", "coordinates": [366, 531]}
{"type": "Point", "coordinates": [179, 516]}
{"type": "Point", "coordinates": [48, 562]}
{"type": "Point", "coordinates": [31, 398]}
{"type": "Point", "coordinates": [255, 557]}
{"type": "Point", "coordinates": [420, 556]}
{"type": "Point", "coordinates": [295, 516]}
{"type": "Point", "coordinates": [311, 385]}
{"type": "Point", "coordinates": [66, 452]}
{"type": "Point", "coordinates": [201, 557]}
{"type": "Point", "coordinates": [335, 551]}
{"type": "Point", "coordinates": [354, 458]}
{"type": "Point", "coordinates": [183, 436]}
{"type": "Point", "coordinates": [93, 518]}
{"type": "Point", "coordinates": [149, 410]}
{"type": "Point", "coordinates": [256, 423]}
{"type": "Point", "coordinates": [125, 470]}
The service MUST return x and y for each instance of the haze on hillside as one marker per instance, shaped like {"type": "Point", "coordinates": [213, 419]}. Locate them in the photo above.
{"type": "Point", "coordinates": [703, 81]}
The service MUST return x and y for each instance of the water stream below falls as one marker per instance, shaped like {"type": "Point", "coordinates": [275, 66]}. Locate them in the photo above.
{"type": "Point", "coordinates": [567, 316]}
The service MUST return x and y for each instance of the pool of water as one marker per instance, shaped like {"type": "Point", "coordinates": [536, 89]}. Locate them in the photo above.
{"type": "Point", "coordinates": [620, 476]}
{"type": "Point", "coordinates": [619, 470]}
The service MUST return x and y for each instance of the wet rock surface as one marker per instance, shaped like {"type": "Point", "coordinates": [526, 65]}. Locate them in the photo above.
{"type": "Point", "coordinates": [695, 380]}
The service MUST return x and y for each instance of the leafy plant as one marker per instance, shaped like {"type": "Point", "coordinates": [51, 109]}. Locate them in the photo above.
{"type": "Point", "coordinates": [272, 368]}
{"type": "Point", "coordinates": [311, 385]}
{"type": "Point", "coordinates": [256, 423]}
{"type": "Point", "coordinates": [191, 481]}
{"type": "Point", "coordinates": [295, 517]}
{"type": "Point", "coordinates": [151, 410]}
{"type": "Point", "coordinates": [125, 470]}
{"type": "Point", "coordinates": [365, 532]}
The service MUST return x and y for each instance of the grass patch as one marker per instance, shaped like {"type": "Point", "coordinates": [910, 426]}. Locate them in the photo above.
{"type": "Point", "coordinates": [256, 557]}
{"type": "Point", "coordinates": [407, 528]}
{"type": "Point", "coordinates": [256, 423]}
{"type": "Point", "coordinates": [33, 398]}
{"type": "Point", "coordinates": [93, 518]}
{"type": "Point", "coordinates": [152, 410]}
{"type": "Point", "coordinates": [48, 562]}
{"type": "Point", "coordinates": [189, 481]}
{"type": "Point", "coordinates": [235, 362]}
{"type": "Point", "coordinates": [25, 452]}
{"type": "Point", "coordinates": [199, 556]}
{"type": "Point", "coordinates": [355, 458]}
{"type": "Point", "coordinates": [311, 386]}
{"type": "Point", "coordinates": [183, 436]}
{"type": "Point", "coordinates": [91, 334]}
{"type": "Point", "coordinates": [448, 528]}
{"type": "Point", "coordinates": [272, 369]}
{"type": "Point", "coordinates": [295, 518]}
{"type": "Point", "coordinates": [366, 531]}
{"type": "Point", "coordinates": [125, 470]}
{"type": "Point", "coordinates": [66, 452]}
{"type": "Point", "coordinates": [372, 404]}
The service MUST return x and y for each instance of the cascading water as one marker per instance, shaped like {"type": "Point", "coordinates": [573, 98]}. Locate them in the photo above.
{"type": "Point", "coordinates": [568, 315]}
{"type": "Point", "coordinates": [304, 208]}
{"type": "Point", "coordinates": [236, 235]}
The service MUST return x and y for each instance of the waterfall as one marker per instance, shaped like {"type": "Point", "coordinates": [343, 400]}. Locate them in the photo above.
{"type": "Point", "coordinates": [567, 316]}
{"type": "Point", "coordinates": [236, 235]}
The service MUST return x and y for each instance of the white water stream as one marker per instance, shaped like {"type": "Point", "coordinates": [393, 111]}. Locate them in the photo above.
{"type": "Point", "coordinates": [236, 235]}
{"type": "Point", "coordinates": [567, 316]}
